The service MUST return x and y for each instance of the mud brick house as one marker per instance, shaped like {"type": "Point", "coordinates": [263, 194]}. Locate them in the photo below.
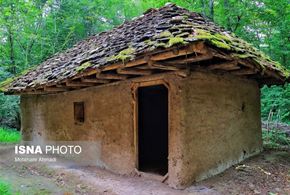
{"type": "Point", "coordinates": [169, 92]}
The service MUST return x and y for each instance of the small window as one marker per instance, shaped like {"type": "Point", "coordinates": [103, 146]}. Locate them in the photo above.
{"type": "Point", "coordinates": [79, 112]}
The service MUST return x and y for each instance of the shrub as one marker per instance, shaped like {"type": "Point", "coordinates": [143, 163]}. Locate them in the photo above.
{"type": "Point", "coordinates": [275, 139]}
{"type": "Point", "coordinates": [9, 111]}
{"type": "Point", "coordinates": [276, 99]}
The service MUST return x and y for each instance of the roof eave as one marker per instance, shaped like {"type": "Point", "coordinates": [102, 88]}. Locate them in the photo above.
{"type": "Point", "coordinates": [192, 56]}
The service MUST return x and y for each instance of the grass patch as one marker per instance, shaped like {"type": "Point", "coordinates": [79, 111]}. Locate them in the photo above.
{"type": "Point", "coordinates": [9, 135]}
{"type": "Point", "coordinates": [5, 188]}
{"type": "Point", "coordinates": [275, 139]}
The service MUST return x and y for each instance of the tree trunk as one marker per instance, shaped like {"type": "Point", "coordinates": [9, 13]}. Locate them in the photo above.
{"type": "Point", "coordinates": [12, 56]}
{"type": "Point", "coordinates": [211, 9]}
{"type": "Point", "coordinates": [203, 7]}
{"type": "Point", "coordinates": [227, 11]}
{"type": "Point", "coordinates": [11, 42]}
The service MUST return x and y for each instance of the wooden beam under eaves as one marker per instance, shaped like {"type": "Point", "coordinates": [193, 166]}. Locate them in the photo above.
{"type": "Point", "coordinates": [247, 71]}
{"type": "Point", "coordinates": [54, 89]}
{"type": "Point", "coordinates": [273, 74]}
{"type": "Point", "coordinates": [231, 65]}
{"type": "Point", "coordinates": [197, 47]}
{"type": "Point", "coordinates": [162, 66]}
{"type": "Point", "coordinates": [90, 80]}
{"type": "Point", "coordinates": [191, 59]}
{"type": "Point", "coordinates": [78, 84]}
{"type": "Point", "coordinates": [220, 54]}
{"type": "Point", "coordinates": [133, 71]}
{"type": "Point", "coordinates": [110, 76]}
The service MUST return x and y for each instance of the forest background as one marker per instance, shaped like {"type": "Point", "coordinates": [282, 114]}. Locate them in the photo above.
{"type": "Point", "coordinates": [33, 30]}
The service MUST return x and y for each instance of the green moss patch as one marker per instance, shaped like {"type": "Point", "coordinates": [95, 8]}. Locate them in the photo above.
{"type": "Point", "coordinates": [220, 44]}
{"type": "Point", "coordinates": [150, 42]}
{"type": "Point", "coordinates": [175, 40]}
{"type": "Point", "coordinates": [218, 40]}
{"type": "Point", "coordinates": [123, 55]}
{"type": "Point", "coordinates": [163, 34]}
{"type": "Point", "coordinates": [4, 85]}
{"type": "Point", "coordinates": [240, 49]}
{"type": "Point", "coordinates": [83, 66]}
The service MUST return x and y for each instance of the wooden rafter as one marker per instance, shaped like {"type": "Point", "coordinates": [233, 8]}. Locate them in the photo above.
{"type": "Point", "coordinates": [198, 47]}
{"type": "Point", "coordinates": [162, 66]}
{"type": "Point", "coordinates": [273, 74]}
{"type": "Point", "coordinates": [192, 59]}
{"type": "Point", "coordinates": [159, 76]}
{"type": "Point", "coordinates": [78, 84]}
{"type": "Point", "coordinates": [231, 65]}
{"type": "Point", "coordinates": [133, 71]}
{"type": "Point", "coordinates": [54, 89]}
{"type": "Point", "coordinates": [110, 76]}
{"type": "Point", "coordinates": [246, 71]}
{"type": "Point", "coordinates": [174, 60]}
{"type": "Point", "coordinates": [90, 80]}
{"type": "Point", "coordinates": [220, 54]}
{"type": "Point", "coordinates": [126, 64]}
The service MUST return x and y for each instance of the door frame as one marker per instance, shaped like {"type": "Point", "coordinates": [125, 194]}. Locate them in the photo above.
{"type": "Point", "coordinates": [134, 88]}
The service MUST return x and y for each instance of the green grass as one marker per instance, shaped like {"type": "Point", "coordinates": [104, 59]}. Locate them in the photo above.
{"type": "Point", "coordinates": [4, 188]}
{"type": "Point", "coordinates": [275, 139]}
{"type": "Point", "coordinates": [9, 135]}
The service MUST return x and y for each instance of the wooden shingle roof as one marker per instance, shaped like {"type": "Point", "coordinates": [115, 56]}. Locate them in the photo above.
{"type": "Point", "coordinates": [162, 40]}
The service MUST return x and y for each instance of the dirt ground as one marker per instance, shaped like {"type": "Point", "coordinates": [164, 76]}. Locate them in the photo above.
{"type": "Point", "coordinates": [267, 173]}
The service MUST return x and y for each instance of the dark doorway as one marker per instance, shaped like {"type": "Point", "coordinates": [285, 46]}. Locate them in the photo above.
{"type": "Point", "coordinates": [153, 129]}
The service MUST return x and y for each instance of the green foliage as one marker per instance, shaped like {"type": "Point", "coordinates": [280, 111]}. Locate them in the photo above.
{"type": "Point", "coordinates": [9, 135]}
{"type": "Point", "coordinates": [9, 111]}
{"type": "Point", "coordinates": [33, 30]}
{"type": "Point", "coordinates": [276, 100]}
{"type": "Point", "coordinates": [4, 188]}
{"type": "Point", "coordinates": [275, 139]}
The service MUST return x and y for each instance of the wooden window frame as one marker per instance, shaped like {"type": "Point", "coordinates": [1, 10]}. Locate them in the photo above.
{"type": "Point", "coordinates": [79, 112]}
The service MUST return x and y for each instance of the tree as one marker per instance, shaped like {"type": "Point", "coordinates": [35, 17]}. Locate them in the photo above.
{"type": "Point", "coordinates": [211, 9]}
{"type": "Point", "coordinates": [33, 30]}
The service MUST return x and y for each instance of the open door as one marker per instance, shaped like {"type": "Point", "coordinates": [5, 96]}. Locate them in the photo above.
{"type": "Point", "coordinates": [153, 129]}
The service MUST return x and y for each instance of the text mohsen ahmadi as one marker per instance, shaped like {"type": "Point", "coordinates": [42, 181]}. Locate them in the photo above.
{"type": "Point", "coordinates": [40, 159]}
{"type": "Point", "coordinates": [18, 159]}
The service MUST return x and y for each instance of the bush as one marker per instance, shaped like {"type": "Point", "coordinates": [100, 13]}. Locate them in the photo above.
{"type": "Point", "coordinates": [275, 100]}
{"type": "Point", "coordinates": [4, 188]}
{"type": "Point", "coordinates": [275, 139]}
{"type": "Point", "coordinates": [9, 111]}
{"type": "Point", "coordinates": [9, 135]}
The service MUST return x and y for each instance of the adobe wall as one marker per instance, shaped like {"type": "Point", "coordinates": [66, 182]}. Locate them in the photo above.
{"type": "Point", "coordinates": [108, 123]}
{"type": "Point", "coordinates": [220, 125]}
{"type": "Point", "coordinates": [214, 122]}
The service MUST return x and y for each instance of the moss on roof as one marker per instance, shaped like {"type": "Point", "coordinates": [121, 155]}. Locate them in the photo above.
{"type": "Point", "coordinates": [158, 28]}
